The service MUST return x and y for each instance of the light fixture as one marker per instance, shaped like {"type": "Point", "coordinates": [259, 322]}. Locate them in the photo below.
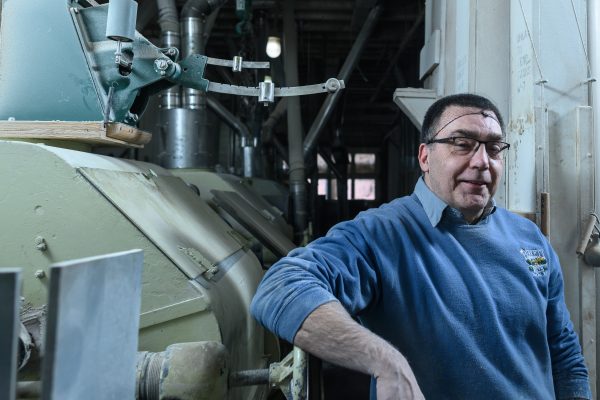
{"type": "Point", "coordinates": [273, 46]}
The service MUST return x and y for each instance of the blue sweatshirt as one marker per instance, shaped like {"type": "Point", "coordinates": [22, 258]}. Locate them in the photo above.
{"type": "Point", "coordinates": [477, 310]}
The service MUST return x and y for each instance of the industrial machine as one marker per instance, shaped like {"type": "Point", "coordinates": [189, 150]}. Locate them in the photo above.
{"type": "Point", "coordinates": [74, 79]}
{"type": "Point", "coordinates": [83, 80]}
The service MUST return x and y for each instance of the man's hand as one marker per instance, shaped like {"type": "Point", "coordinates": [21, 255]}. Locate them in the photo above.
{"type": "Point", "coordinates": [332, 335]}
{"type": "Point", "coordinates": [399, 383]}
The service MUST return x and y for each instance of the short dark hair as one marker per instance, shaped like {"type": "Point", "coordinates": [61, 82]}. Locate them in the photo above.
{"type": "Point", "coordinates": [435, 111]}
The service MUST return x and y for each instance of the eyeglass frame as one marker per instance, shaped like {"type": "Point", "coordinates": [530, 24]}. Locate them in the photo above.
{"type": "Point", "coordinates": [452, 139]}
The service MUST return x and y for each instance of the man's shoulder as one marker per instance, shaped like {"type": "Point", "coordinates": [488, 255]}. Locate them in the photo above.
{"type": "Point", "coordinates": [514, 220]}
{"type": "Point", "coordinates": [399, 207]}
{"type": "Point", "coordinates": [399, 212]}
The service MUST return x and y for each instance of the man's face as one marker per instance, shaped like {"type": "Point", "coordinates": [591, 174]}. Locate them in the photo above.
{"type": "Point", "coordinates": [465, 182]}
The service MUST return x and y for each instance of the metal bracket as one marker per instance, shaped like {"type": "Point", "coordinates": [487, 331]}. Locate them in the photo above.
{"type": "Point", "coordinates": [290, 375]}
{"type": "Point", "coordinates": [237, 64]}
{"type": "Point", "coordinates": [190, 73]}
{"type": "Point", "coordinates": [331, 86]}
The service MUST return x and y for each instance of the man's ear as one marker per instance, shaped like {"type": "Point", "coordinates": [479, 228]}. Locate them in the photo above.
{"type": "Point", "coordinates": [424, 157]}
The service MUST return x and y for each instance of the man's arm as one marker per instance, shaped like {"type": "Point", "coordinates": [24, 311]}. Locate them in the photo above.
{"type": "Point", "coordinates": [332, 335]}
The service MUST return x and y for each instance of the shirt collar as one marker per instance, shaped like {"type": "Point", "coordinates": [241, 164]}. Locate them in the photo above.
{"type": "Point", "coordinates": [434, 206]}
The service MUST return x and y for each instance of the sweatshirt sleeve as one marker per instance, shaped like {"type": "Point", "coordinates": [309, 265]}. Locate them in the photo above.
{"type": "Point", "coordinates": [568, 367]}
{"type": "Point", "coordinates": [337, 267]}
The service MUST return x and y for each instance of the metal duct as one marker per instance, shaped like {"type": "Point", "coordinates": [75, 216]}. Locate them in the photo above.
{"type": "Point", "coordinates": [192, 30]}
{"type": "Point", "coordinates": [168, 19]}
{"type": "Point", "coordinates": [269, 124]}
{"type": "Point", "coordinates": [190, 140]}
{"type": "Point", "coordinates": [294, 118]}
{"type": "Point", "coordinates": [332, 98]}
{"type": "Point", "coordinates": [196, 8]}
{"type": "Point", "coordinates": [236, 124]}
{"type": "Point", "coordinates": [231, 120]}
{"type": "Point", "coordinates": [181, 138]}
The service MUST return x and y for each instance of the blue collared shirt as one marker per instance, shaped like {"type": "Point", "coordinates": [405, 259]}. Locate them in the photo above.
{"type": "Point", "coordinates": [477, 309]}
{"type": "Point", "coordinates": [434, 206]}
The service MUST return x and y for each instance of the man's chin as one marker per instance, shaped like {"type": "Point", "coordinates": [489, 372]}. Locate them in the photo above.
{"type": "Point", "coordinates": [475, 204]}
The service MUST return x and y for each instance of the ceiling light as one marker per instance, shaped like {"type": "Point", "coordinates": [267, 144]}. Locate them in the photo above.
{"type": "Point", "coordinates": [273, 46]}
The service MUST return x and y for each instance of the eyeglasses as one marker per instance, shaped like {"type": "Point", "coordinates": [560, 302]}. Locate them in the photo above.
{"type": "Point", "coordinates": [465, 146]}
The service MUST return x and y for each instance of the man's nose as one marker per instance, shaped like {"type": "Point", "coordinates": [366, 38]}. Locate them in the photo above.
{"type": "Point", "coordinates": [480, 159]}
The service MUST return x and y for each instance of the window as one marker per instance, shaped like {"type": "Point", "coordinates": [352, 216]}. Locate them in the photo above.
{"type": "Point", "coordinates": [362, 177]}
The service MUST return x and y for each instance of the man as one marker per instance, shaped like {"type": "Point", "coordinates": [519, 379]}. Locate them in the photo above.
{"type": "Point", "coordinates": [457, 298]}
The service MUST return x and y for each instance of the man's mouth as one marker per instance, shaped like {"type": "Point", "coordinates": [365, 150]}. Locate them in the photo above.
{"type": "Point", "coordinates": [475, 182]}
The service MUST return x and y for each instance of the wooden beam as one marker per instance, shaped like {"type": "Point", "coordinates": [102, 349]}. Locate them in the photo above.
{"type": "Point", "coordinates": [91, 132]}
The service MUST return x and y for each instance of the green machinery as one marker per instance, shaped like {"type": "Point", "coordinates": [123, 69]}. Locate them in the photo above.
{"type": "Point", "coordinates": [199, 272]}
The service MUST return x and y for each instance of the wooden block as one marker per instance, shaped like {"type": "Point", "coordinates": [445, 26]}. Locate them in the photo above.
{"type": "Point", "coordinates": [91, 132]}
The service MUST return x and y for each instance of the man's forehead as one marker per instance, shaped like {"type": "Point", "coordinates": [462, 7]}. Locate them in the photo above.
{"type": "Point", "coordinates": [456, 115]}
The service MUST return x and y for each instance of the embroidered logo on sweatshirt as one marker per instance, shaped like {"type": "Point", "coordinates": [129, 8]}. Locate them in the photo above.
{"type": "Point", "coordinates": [536, 261]}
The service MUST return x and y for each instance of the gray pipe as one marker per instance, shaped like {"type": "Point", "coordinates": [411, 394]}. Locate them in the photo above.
{"type": "Point", "coordinates": [249, 378]}
{"type": "Point", "coordinates": [181, 128]}
{"type": "Point", "coordinates": [332, 99]}
{"type": "Point", "coordinates": [192, 30]}
{"type": "Point", "coordinates": [294, 118]}
{"type": "Point", "coordinates": [594, 89]}
{"type": "Point", "coordinates": [228, 117]}
{"type": "Point", "coordinates": [269, 124]}
{"type": "Point", "coordinates": [236, 124]}
{"type": "Point", "coordinates": [248, 158]}
{"type": "Point", "coordinates": [196, 8]}
{"type": "Point", "coordinates": [168, 20]}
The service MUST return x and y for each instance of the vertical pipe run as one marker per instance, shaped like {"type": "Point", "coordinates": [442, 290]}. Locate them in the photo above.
{"type": "Point", "coordinates": [593, 89]}
{"type": "Point", "coordinates": [171, 98]}
{"type": "Point", "coordinates": [168, 19]}
{"type": "Point", "coordinates": [332, 98]}
{"type": "Point", "coordinates": [594, 102]}
{"type": "Point", "coordinates": [192, 43]}
{"type": "Point", "coordinates": [181, 138]}
{"type": "Point", "coordinates": [236, 124]}
{"type": "Point", "coordinates": [295, 135]}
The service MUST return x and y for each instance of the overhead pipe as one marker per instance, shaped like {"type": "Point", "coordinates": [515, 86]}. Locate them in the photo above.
{"type": "Point", "coordinates": [197, 8]}
{"type": "Point", "coordinates": [297, 178]}
{"type": "Point", "coordinates": [349, 64]}
{"type": "Point", "coordinates": [274, 117]}
{"type": "Point", "coordinates": [227, 116]}
{"type": "Point", "coordinates": [393, 62]}
{"type": "Point", "coordinates": [236, 124]}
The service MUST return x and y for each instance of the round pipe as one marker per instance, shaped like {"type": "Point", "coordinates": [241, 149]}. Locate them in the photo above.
{"type": "Point", "coordinates": [181, 138]}
{"type": "Point", "coordinates": [196, 8]}
{"type": "Point", "coordinates": [169, 24]}
{"type": "Point", "coordinates": [593, 90]}
{"type": "Point", "coordinates": [192, 29]}
{"type": "Point", "coordinates": [295, 131]}
{"type": "Point", "coordinates": [332, 98]}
